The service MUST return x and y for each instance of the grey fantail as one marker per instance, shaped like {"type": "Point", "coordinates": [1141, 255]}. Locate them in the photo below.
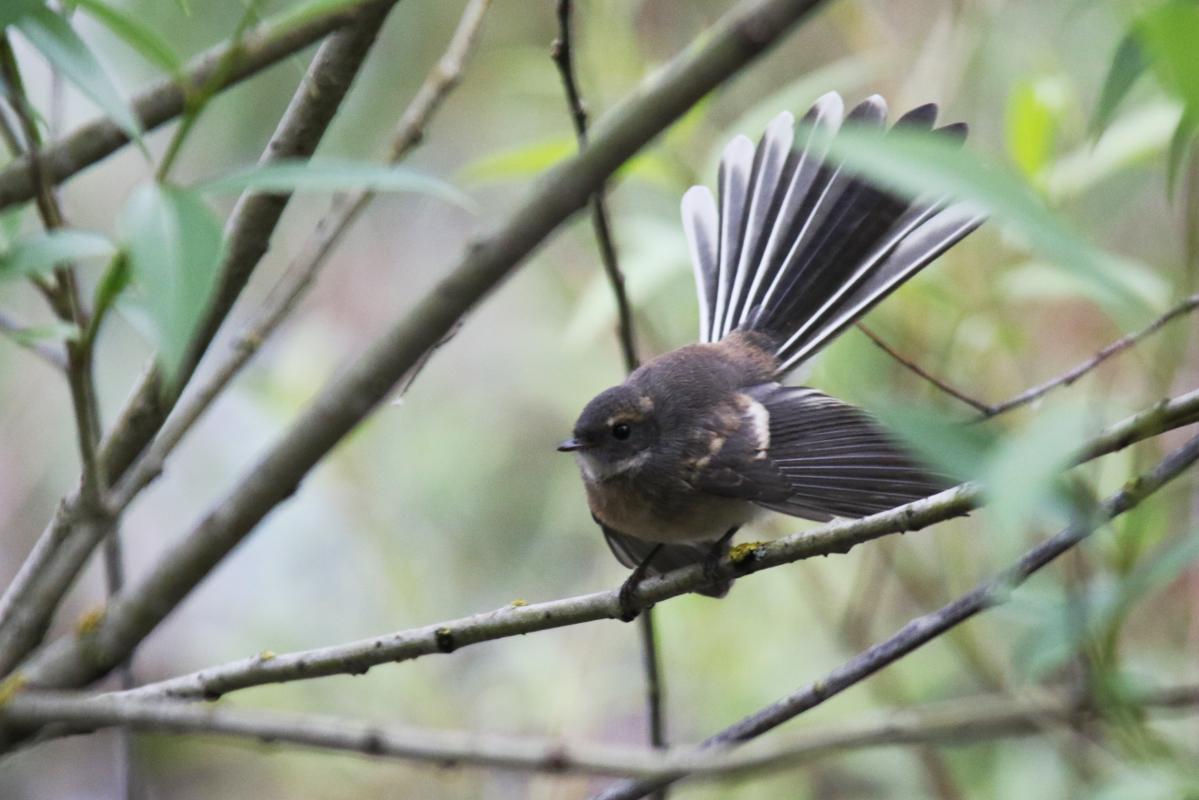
{"type": "Point", "coordinates": [699, 440]}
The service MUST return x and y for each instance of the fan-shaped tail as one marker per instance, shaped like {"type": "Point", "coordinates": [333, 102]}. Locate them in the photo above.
{"type": "Point", "coordinates": [798, 248]}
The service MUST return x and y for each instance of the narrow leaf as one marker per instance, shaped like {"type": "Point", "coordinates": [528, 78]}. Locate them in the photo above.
{"type": "Point", "coordinates": [1031, 123]}
{"type": "Point", "coordinates": [1127, 65]}
{"type": "Point", "coordinates": [174, 247]}
{"type": "Point", "coordinates": [42, 252]}
{"type": "Point", "coordinates": [924, 166]}
{"type": "Point", "coordinates": [336, 176]}
{"type": "Point", "coordinates": [1169, 33]}
{"type": "Point", "coordinates": [54, 38]}
{"type": "Point", "coordinates": [1180, 148]}
{"type": "Point", "coordinates": [13, 10]}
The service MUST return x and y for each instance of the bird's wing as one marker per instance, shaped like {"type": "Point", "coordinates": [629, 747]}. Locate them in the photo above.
{"type": "Point", "coordinates": [631, 551]}
{"type": "Point", "coordinates": [806, 454]}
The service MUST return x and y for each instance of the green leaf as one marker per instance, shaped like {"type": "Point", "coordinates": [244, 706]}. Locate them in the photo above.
{"type": "Point", "coordinates": [13, 10]}
{"type": "Point", "coordinates": [959, 449]}
{"type": "Point", "coordinates": [142, 38]}
{"type": "Point", "coordinates": [1023, 471]}
{"type": "Point", "coordinates": [1169, 33]}
{"type": "Point", "coordinates": [54, 38]}
{"type": "Point", "coordinates": [1135, 138]}
{"type": "Point", "coordinates": [1180, 148]}
{"type": "Point", "coordinates": [174, 247]}
{"type": "Point", "coordinates": [918, 165]}
{"type": "Point", "coordinates": [1127, 65]}
{"type": "Point", "coordinates": [43, 252]}
{"type": "Point", "coordinates": [336, 176]}
{"type": "Point", "coordinates": [42, 333]}
{"type": "Point", "coordinates": [1033, 109]}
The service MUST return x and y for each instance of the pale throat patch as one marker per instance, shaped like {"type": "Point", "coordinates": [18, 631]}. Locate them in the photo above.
{"type": "Point", "coordinates": [595, 470]}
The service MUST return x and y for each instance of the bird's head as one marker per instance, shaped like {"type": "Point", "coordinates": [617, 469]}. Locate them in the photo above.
{"type": "Point", "coordinates": [615, 433]}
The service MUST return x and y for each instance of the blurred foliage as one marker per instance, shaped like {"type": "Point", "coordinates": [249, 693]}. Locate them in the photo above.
{"type": "Point", "coordinates": [453, 501]}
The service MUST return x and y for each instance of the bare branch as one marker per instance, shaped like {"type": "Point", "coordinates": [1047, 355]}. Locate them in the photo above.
{"type": "Point", "coordinates": [977, 405]}
{"type": "Point", "coordinates": [747, 32]}
{"type": "Point", "coordinates": [265, 45]}
{"type": "Point", "coordinates": [838, 537]}
{"type": "Point", "coordinates": [951, 723]}
{"type": "Point", "coordinates": [1120, 345]}
{"type": "Point", "coordinates": [1068, 377]}
{"type": "Point", "coordinates": [924, 629]}
{"type": "Point", "coordinates": [304, 269]}
{"type": "Point", "coordinates": [562, 51]}
{"type": "Point", "coordinates": [563, 54]}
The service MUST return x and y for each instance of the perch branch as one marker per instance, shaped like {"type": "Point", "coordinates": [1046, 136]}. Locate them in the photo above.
{"type": "Point", "coordinates": [357, 657]}
{"type": "Point", "coordinates": [926, 628]}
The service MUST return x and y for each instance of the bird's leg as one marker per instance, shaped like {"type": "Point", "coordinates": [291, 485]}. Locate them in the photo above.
{"type": "Point", "coordinates": [719, 548]}
{"type": "Point", "coordinates": [628, 607]}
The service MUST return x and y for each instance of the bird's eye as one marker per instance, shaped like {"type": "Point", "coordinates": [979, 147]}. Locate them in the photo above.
{"type": "Point", "coordinates": [621, 431]}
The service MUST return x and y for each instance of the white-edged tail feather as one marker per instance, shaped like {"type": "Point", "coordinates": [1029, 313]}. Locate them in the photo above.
{"type": "Point", "coordinates": [797, 248]}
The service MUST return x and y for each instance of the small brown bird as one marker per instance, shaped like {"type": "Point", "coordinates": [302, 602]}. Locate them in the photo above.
{"type": "Point", "coordinates": [699, 440]}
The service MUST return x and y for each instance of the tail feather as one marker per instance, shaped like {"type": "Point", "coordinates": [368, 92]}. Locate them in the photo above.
{"type": "Point", "coordinates": [798, 248]}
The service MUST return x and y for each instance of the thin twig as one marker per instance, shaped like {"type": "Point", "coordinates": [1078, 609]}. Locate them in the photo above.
{"type": "Point", "coordinates": [355, 658]}
{"type": "Point", "coordinates": [563, 55]}
{"type": "Point", "coordinates": [562, 52]}
{"type": "Point", "coordinates": [926, 628]}
{"type": "Point", "coordinates": [987, 410]}
{"type": "Point", "coordinates": [1118, 346]}
{"type": "Point", "coordinates": [303, 271]}
{"type": "Point", "coordinates": [54, 356]}
{"type": "Point", "coordinates": [949, 723]}
{"type": "Point", "coordinates": [977, 405]}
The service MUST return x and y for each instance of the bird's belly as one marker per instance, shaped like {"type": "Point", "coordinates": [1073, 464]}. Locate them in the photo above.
{"type": "Point", "coordinates": [698, 518]}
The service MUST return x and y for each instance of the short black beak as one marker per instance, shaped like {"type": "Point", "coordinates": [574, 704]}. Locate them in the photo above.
{"type": "Point", "coordinates": [569, 446]}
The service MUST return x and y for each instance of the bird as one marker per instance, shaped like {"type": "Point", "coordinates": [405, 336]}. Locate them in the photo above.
{"type": "Point", "coordinates": [795, 248]}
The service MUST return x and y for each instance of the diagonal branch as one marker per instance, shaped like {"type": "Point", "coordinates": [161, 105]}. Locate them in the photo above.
{"type": "Point", "coordinates": [1120, 345]}
{"type": "Point", "coordinates": [304, 269]}
{"type": "Point", "coordinates": [742, 36]}
{"type": "Point", "coordinates": [987, 410]}
{"type": "Point", "coordinates": [951, 723]}
{"type": "Point", "coordinates": [916, 369]}
{"type": "Point", "coordinates": [924, 629]}
{"type": "Point", "coordinates": [356, 658]}
{"type": "Point", "coordinates": [77, 528]}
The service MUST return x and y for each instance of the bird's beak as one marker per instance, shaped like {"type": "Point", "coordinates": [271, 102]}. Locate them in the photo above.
{"type": "Point", "coordinates": [569, 445]}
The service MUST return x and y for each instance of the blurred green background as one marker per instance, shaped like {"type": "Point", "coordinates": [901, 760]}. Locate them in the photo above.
{"type": "Point", "coordinates": [453, 501]}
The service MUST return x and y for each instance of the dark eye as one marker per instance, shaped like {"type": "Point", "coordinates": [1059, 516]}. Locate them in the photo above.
{"type": "Point", "coordinates": [621, 431]}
